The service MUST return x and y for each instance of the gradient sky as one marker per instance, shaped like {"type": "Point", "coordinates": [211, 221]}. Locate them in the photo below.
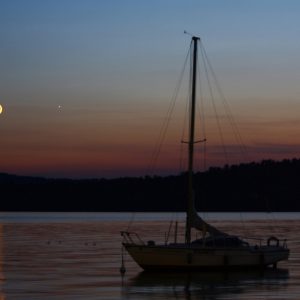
{"type": "Point", "coordinates": [85, 85]}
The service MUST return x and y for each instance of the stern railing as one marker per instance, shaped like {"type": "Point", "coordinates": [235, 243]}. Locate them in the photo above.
{"type": "Point", "coordinates": [131, 238]}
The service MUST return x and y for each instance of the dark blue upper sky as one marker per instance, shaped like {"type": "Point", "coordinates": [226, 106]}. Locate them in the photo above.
{"type": "Point", "coordinates": [78, 78]}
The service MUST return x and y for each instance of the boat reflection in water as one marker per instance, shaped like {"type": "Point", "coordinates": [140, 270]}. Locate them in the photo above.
{"type": "Point", "coordinates": [187, 285]}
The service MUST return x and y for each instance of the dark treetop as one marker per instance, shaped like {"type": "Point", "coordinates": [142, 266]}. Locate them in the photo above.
{"type": "Point", "coordinates": [264, 186]}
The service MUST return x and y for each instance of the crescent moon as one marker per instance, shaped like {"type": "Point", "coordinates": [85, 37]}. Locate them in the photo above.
{"type": "Point", "coordinates": [1, 109]}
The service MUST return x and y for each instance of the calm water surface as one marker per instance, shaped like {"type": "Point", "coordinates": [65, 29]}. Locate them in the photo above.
{"type": "Point", "coordinates": [78, 256]}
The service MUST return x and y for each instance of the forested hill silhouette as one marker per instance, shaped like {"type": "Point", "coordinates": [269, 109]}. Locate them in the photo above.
{"type": "Point", "coordinates": [264, 186]}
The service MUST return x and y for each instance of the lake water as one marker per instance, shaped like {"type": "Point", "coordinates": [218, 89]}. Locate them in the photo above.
{"type": "Point", "coordinates": [78, 256]}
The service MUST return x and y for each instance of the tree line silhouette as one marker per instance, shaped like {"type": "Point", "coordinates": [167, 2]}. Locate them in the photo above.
{"type": "Point", "coordinates": [265, 186]}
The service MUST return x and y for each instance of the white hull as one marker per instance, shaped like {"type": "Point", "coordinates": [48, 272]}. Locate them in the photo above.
{"type": "Point", "coordinates": [179, 257]}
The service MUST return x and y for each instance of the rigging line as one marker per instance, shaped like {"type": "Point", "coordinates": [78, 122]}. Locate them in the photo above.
{"type": "Point", "coordinates": [183, 132]}
{"type": "Point", "coordinates": [188, 96]}
{"type": "Point", "coordinates": [166, 122]}
{"type": "Point", "coordinates": [227, 108]}
{"type": "Point", "coordinates": [187, 113]}
{"type": "Point", "coordinates": [214, 105]}
{"type": "Point", "coordinates": [169, 230]}
{"type": "Point", "coordinates": [131, 221]}
{"type": "Point", "coordinates": [202, 115]}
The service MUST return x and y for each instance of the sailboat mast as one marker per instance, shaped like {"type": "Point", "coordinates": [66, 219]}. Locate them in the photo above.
{"type": "Point", "coordinates": [191, 142]}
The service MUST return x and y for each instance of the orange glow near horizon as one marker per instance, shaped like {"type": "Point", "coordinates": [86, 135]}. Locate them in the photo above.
{"type": "Point", "coordinates": [85, 88]}
{"type": "Point", "coordinates": [93, 143]}
{"type": "Point", "coordinates": [68, 146]}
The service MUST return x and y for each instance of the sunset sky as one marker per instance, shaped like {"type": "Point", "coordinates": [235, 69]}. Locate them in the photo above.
{"type": "Point", "coordinates": [85, 85]}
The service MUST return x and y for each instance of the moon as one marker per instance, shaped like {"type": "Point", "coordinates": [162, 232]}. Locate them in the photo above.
{"type": "Point", "coordinates": [1, 109]}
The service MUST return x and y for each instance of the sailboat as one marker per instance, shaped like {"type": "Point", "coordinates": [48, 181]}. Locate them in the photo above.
{"type": "Point", "coordinates": [216, 249]}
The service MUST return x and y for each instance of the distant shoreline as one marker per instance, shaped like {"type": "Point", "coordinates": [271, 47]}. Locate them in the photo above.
{"type": "Point", "coordinates": [267, 186]}
{"type": "Point", "coordinates": [57, 217]}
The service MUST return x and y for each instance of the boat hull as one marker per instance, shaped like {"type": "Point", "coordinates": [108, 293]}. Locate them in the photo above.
{"type": "Point", "coordinates": [176, 257]}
